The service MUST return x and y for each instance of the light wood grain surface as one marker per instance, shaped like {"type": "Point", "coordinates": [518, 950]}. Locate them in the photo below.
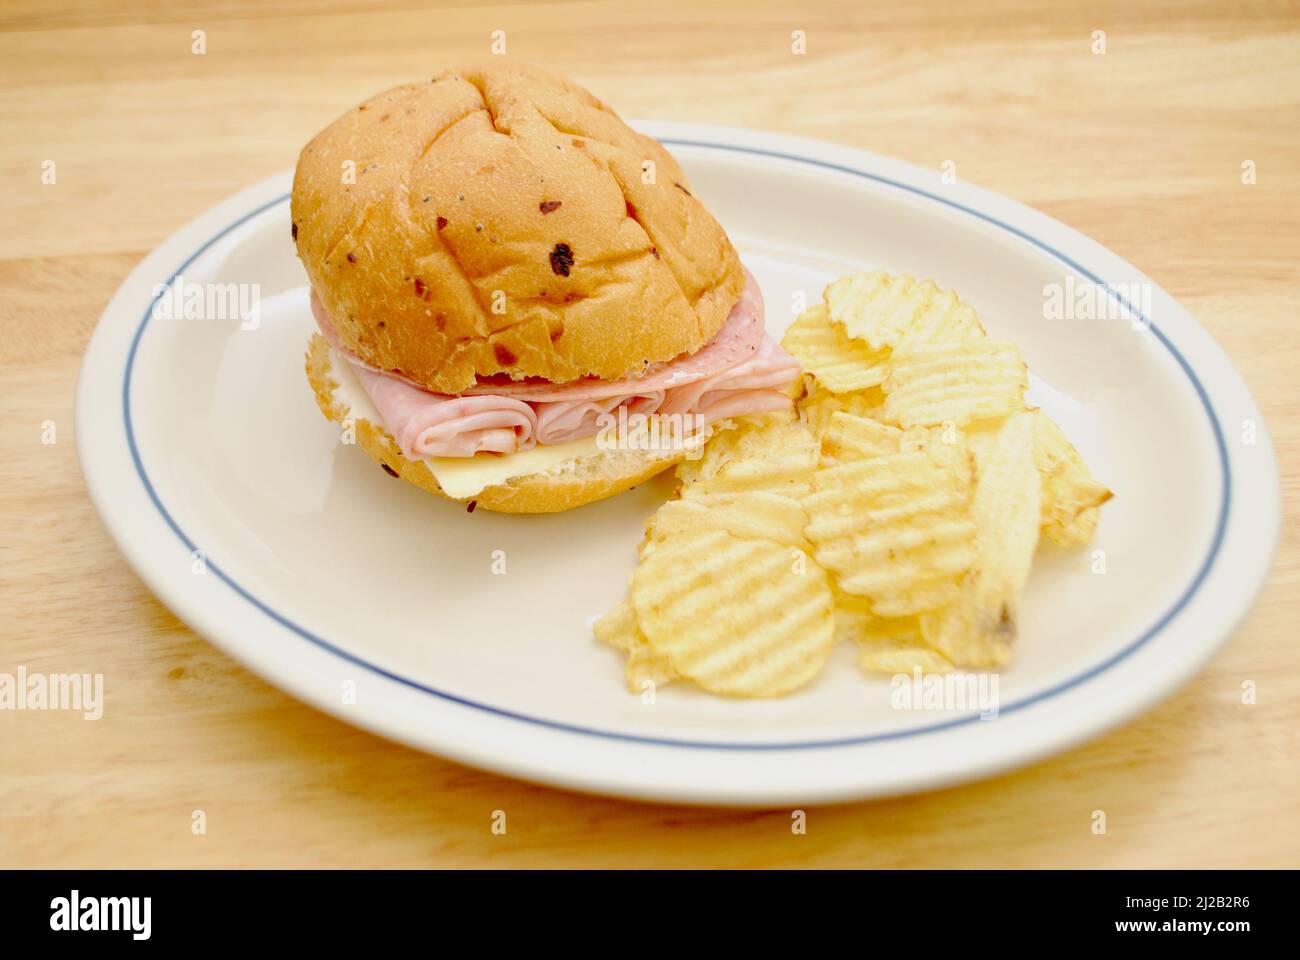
{"type": "Point", "coordinates": [1141, 148]}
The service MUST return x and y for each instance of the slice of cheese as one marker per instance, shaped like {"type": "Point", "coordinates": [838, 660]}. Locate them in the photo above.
{"type": "Point", "coordinates": [462, 477]}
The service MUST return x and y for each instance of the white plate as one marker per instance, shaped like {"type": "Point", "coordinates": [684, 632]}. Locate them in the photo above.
{"type": "Point", "coordinates": [378, 603]}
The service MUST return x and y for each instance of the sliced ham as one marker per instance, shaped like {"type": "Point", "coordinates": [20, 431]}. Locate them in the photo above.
{"type": "Point", "coordinates": [437, 425]}
{"type": "Point", "coordinates": [566, 420]}
{"type": "Point", "coordinates": [754, 386]}
{"type": "Point", "coordinates": [740, 371]}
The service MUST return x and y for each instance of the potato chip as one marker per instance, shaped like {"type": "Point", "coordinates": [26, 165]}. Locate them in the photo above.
{"type": "Point", "coordinates": [836, 360]}
{"type": "Point", "coordinates": [750, 515]}
{"type": "Point", "coordinates": [890, 631]}
{"type": "Point", "coordinates": [898, 313]}
{"type": "Point", "coordinates": [902, 658]}
{"type": "Point", "coordinates": [1005, 506]}
{"type": "Point", "coordinates": [848, 438]}
{"type": "Point", "coordinates": [954, 383]}
{"type": "Point", "coordinates": [885, 644]}
{"type": "Point", "coordinates": [774, 453]}
{"type": "Point", "coordinates": [945, 445]}
{"type": "Point", "coordinates": [930, 593]}
{"type": "Point", "coordinates": [893, 528]}
{"type": "Point", "coordinates": [979, 628]}
{"type": "Point", "coordinates": [853, 615]}
{"type": "Point", "coordinates": [741, 618]}
{"type": "Point", "coordinates": [911, 472]}
{"type": "Point", "coordinates": [646, 669]}
{"type": "Point", "coordinates": [856, 621]}
{"type": "Point", "coordinates": [818, 403]}
{"type": "Point", "coordinates": [618, 628]}
{"type": "Point", "coordinates": [1070, 495]}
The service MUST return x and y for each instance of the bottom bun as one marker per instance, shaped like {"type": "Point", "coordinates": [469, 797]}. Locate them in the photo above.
{"type": "Point", "coordinates": [570, 485]}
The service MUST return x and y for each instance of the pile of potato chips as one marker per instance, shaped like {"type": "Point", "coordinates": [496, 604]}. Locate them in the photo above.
{"type": "Point", "coordinates": [900, 508]}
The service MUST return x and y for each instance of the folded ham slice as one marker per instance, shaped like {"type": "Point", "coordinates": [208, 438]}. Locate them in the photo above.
{"type": "Point", "coordinates": [437, 425]}
{"type": "Point", "coordinates": [741, 370]}
{"type": "Point", "coordinates": [752, 386]}
{"type": "Point", "coordinates": [565, 420]}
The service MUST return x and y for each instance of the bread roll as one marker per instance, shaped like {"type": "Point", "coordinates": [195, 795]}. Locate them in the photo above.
{"type": "Point", "coordinates": [499, 220]}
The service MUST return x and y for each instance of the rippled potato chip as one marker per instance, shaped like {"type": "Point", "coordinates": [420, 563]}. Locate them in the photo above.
{"type": "Point", "coordinates": [901, 657]}
{"type": "Point", "coordinates": [749, 515]}
{"type": "Point", "coordinates": [818, 403]}
{"type": "Point", "coordinates": [911, 472]}
{"type": "Point", "coordinates": [895, 528]}
{"type": "Point", "coordinates": [898, 312]}
{"type": "Point", "coordinates": [954, 383]}
{"type": "Point", "coordinates": [853, 615]}
{"type": "Point", "coordinates": [740, 618]}
{"type": "Point", "coordinates": [838, 362]}
{"type": "Point", "coordinates": [1070, 495]}
{"type": "Point", "coordinates": [979, 629]}
{"type": "Point", "coordinates": [775, 453]}
{"type": "Point", "coordinates": [618, 628]}
{"type": "Point", "coordinates": [946, 446]}
{"type": "Point", "coordinates": [885, 644]}
{"type": "Point", "coordinates": [920, 596]}
{"type": "Point", "coordinates": [848, 438]}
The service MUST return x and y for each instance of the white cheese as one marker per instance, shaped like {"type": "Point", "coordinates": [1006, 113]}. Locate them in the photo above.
{"type": "Point", "coordinates": [462, 477]}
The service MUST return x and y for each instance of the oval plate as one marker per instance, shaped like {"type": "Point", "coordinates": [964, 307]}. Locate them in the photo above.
{"type": "Point", "coordinates": [239, 506]}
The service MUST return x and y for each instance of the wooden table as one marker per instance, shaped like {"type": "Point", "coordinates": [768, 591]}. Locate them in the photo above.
{"type": "Point", "coordinates": [1141, 147]}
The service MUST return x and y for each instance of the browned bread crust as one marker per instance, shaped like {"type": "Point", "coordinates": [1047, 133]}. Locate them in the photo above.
{"type": "Point", "coordinates": [500, 221]}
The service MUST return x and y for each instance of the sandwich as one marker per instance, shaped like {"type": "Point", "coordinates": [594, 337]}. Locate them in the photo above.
{"type": "Point", "coordinates": [521, 304]}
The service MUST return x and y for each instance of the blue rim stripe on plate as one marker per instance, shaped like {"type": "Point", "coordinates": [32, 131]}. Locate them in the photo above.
{"type": "Point", "coordinates": [1055, 690]}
